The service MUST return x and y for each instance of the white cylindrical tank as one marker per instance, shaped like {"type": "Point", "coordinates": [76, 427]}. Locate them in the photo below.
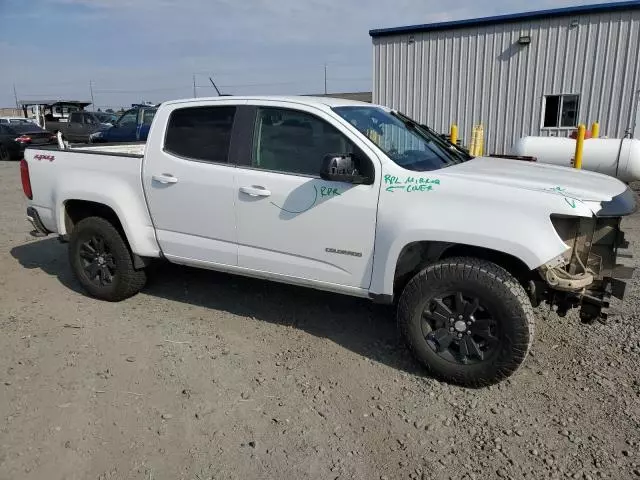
{"type": "Point", "coordinates": [599, 154]}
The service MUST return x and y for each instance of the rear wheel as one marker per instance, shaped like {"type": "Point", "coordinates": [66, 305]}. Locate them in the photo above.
{"type": "Point", "coordinates": [467, 320]}
{"type": "Point", "coordinates": [101, 261]}
{"type": "Point", "coordinates": [4, 154]}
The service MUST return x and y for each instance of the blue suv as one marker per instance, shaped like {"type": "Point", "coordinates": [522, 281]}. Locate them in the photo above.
{"type": "Point", "coordinates": [132, 126]}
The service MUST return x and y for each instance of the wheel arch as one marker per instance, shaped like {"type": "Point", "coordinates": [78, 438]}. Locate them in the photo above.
{"type": "Point", "coordinates": [414, 256]}
{"type": "Point", "coordinates": [76, 210]}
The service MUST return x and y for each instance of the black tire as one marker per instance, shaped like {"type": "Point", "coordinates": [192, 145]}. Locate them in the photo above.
{"type": "Point", "coordinates": [499, 330]}
{"type": "Point", "coordinates": [4, 154]}
{"type": "Point", "coordinates": [94, 268]}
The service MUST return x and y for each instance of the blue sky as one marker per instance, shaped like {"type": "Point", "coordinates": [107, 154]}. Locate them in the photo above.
{"type": "Point", "coordinates": [135, 50]}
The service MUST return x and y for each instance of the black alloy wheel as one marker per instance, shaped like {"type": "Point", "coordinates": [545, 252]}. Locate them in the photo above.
{"type": "Point", "coordinates": [460, 329]}
{"type": "Point", "coordinates": [97, 261]}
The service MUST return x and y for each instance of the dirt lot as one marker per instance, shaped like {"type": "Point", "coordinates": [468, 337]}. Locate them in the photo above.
{"type": "Point", "coordinates": [209, 376]}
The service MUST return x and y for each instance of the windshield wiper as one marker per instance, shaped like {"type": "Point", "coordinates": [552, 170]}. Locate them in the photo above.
{"type": "Point", "coordinates": [428, 133]}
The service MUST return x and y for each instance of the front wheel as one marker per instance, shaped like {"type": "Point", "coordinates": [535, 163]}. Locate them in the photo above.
{"type": "Point", "coordinates": [101, 261]}
{"type": "Point", "coordinates": [467, 320]}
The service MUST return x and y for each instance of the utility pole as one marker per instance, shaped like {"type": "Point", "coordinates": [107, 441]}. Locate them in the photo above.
{"type": "Point", "coordinates": [93, 105]}
{"type": "Point", "coordinates": [195, 94]}
{"type": "Point", "coordinates": [325, 78]}
{"type": "Point", "coordinates": [15, 95]}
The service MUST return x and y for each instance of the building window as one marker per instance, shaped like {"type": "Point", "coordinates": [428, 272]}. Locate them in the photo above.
{"type": "Point", "coordinates": [560, 111]}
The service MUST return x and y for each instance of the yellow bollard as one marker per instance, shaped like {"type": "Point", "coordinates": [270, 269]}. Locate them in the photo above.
{"type": "Point", "coordinates": [577, 163]}
{"type": "Point", "coordinates": [453, 135]}
{"type": "Point", "coordinates": [480, 142]}
{"type": "Point", "coordinates": [474, 139]}
{"type": "Point", "coordinates": [595, 130]}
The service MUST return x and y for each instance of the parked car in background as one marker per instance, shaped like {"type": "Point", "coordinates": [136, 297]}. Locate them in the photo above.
{"type": "Point", "coordinates": [109, 118]}
{"type": "Point", "coordinates": [81, 125]}
{"type": "Point", "coordinates": [132, 126]}
{"type": "Point", "coordinates": [14, 138]}
{"type": "Point", "coordinates": [16, 120]}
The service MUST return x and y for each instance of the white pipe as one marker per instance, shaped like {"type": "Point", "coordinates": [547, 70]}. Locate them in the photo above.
{"type": "Point", "coordinates": [600, 154]}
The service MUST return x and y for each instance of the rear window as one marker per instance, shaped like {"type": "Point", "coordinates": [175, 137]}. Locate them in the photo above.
{"type": "Point", "coordinates": [200, 133]}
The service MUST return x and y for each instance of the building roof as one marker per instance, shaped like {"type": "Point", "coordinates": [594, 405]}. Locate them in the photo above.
{"type": "Point", "coordinates": [513, 17]}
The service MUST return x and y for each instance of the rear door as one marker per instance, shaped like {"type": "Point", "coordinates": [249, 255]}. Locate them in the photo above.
{"type": "Point", "coordinates": [291, 222]}
{"type": "Point", "coordinates": [90, 124]}
{"type": "Point", "coordinates": [74, 127]}
{"type": "Point", "coordinates": [189, 182]}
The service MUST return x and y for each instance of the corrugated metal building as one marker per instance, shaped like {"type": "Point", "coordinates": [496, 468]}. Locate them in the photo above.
{"type": "Point", "coordinates": [536, 73]}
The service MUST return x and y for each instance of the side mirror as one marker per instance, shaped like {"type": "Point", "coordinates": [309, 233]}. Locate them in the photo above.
{"type": "Point", "coordinates": [340, 168]}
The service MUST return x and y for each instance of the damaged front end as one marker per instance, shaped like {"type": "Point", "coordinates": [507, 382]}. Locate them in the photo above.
{"type": "Point", "coordinates": [587, 274]}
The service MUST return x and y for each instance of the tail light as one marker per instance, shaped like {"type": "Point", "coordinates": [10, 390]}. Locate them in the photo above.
{"type": "Point", "coordinates": [23, 139]}
{"type": "Point", "coordinates": [26, 181]}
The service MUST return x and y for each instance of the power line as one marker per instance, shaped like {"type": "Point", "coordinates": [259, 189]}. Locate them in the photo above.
{"type": "Point", "coordinates": [145, 90]}
{"type": "Point", "coordinates": [238, 85]}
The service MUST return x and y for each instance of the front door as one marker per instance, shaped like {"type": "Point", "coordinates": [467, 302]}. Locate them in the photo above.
{"type": "Point", "coordinates": [124, 129]}
{"type": "Point", "coordinates": [291, 222]}
{"type": "Point", "coordinates": [189, 185]}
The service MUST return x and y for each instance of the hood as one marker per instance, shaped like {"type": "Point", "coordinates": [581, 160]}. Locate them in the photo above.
{"type": "Point", "coordinates": [567, 182]}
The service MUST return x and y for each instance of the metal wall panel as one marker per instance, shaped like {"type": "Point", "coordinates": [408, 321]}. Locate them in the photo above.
{"type": "Point", "coordinates": [482, 75]}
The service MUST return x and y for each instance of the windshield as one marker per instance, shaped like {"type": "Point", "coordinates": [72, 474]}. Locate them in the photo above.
{"type": "Point", "coordinates": [106, 117]}
{"type": "Point", "coordinates": [407, 143]}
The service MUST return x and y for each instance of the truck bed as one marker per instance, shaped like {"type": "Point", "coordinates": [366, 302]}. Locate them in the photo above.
{"type": "Point", "coordinates": [95, 173]}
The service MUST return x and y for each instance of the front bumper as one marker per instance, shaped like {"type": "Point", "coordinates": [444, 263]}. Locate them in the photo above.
{"type": "Point", "coordinates": [611, 279]}
{"type": "Point", "coordinates": [594, 251]}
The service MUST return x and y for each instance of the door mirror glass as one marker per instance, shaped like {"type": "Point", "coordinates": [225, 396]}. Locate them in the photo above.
{"type": "Point", "coordinates": [341, 168]}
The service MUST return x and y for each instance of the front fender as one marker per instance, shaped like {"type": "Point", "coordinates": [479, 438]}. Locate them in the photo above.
{"type": "Point", "coordinates": [526, 234]}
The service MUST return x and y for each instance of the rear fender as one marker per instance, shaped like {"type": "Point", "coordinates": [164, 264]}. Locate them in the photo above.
{"type": "Point", "coordinates": [109, 190]}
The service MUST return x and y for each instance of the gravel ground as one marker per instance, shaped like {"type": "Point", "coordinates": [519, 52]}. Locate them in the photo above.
{"type": "Point", "coordinates": [209, 376]}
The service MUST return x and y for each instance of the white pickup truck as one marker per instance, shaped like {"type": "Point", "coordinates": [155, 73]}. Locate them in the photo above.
{"type": "Point", "coordinates": [347, 197]}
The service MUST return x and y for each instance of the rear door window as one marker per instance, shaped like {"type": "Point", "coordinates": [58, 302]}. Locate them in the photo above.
{"type": "Point", "coordinates": [128, 118]}
{"type": "Point", "coordinates": [75, 118]}
{"type": "Point", "coordinates": [201, 133]}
